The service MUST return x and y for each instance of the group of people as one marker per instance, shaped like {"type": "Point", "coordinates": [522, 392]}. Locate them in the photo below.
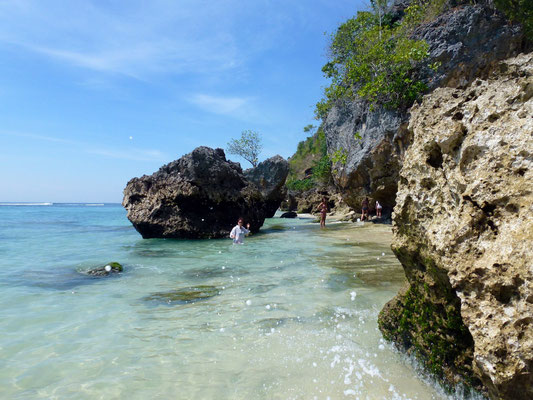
{"type": "Point", "coordinates": [365, 209]}
{"type": "Point", "coordinates": [239, 231]}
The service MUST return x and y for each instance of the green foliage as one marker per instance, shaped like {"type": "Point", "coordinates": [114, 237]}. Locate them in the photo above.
{"type": "Point", "coordinates": [248, 146]}
{"type": "Point", "coordinates": [520, 11]}
{"type": "Point", "coordinates": [339, 156]}
{"type": "Point", "coordinates": [435, 66]}
{"type": "Point", "coordinates": [322, 169]}
{"type": "Point", "coordinates": [310, 129]}
{"type": "Point", "coordinates": [311, 154]}
{"type": "Point", "coordinates": [374, 59]}
{"type": "Point", "coordinates": [300, 184]}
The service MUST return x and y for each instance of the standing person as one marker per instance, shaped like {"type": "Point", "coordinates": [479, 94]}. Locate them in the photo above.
{"type": "Point", "coordinates": [378, 209]}
{"type": "Point", "coordinates": [364, 211]}
{"type": "Point", "coordinates": [239, 232]}
{"type": "Point", "coordinates": [323, 211]}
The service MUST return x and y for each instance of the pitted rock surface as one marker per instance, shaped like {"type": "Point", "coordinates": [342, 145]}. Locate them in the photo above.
{"type": "Point", "coordinates": [463, 216]}
{"type": "Point", "coordinates": [201, 195]}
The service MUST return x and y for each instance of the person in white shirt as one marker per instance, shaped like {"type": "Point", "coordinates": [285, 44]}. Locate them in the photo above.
{"type": "Point", "coordinates": [378, 209]}
{"type": "Point", "coordinates": [239, 232]}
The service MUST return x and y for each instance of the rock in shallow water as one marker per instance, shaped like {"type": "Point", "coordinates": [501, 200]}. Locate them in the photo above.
{"type": "Point", "coordinates": [109, 268]}
{"type": "Point", "coordinates": [202, 195]}
{"type": "Point", "coordinates": [184, 296]}
{"type": "Point", "coordinates": [289, 214]}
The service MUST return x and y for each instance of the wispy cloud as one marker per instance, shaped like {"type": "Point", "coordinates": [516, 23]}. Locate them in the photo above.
{"type": "Point", "coordinates": [220, 104]}
{"type": "Point", "coordinates": [125, 153]}
{"type": "Point", "coordinates": [136, 38]}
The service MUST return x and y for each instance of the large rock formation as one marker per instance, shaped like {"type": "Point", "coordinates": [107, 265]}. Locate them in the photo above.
{"type": "Point", "coordinates": [463, 232]}
{"type": "Point", "coordinates": [466, 40]}
{"type": "Point", "coordinates": [202, 195]}
{"type": "Point", "coordinates": [269, 177]}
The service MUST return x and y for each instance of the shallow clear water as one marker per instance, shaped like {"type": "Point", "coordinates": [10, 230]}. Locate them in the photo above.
{"type": "Point", "coordinates": [292, 312]}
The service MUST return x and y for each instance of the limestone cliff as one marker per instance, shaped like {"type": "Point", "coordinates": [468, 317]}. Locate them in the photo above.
{"type": "Point", "coordinates": [463, 232]}
{"type": "Point", "coordinates": [466, 40]}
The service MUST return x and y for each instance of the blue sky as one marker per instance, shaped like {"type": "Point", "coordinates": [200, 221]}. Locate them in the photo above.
{"type": "Point", "coordinates": [93, 93]}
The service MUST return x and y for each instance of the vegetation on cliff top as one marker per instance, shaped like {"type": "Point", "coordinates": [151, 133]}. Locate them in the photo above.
{"type": "Point", "coordinates": [310, 165]}
{"type": "Point", "coordinates": [373, 57]}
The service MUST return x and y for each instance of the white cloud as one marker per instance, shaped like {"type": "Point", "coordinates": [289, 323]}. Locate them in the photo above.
{"type": "Point", "coordinates": [220, 104]}
{"type": "Point", "coordinates": [134, 38]}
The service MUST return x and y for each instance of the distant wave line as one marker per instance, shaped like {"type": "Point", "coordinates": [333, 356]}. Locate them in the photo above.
{"type": "Point", "coordinates": [26, 204]}
{"type": "Point", "coordinates": [81, 204]}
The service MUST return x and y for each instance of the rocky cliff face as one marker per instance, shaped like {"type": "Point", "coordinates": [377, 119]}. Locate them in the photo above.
{"type": "Point", "coordinates": [466, 41]}
{"type": "Point", "coordinates": [269, 177]}
{"type": "Point", "coordinates": [463, 232]}
{"type": "Point", "coordinates": [202, 195]}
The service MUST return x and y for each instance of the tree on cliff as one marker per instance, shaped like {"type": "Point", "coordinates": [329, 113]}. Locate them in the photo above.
{"type": "Point", "coordinates": [372, 57]}
{"type": "Point", "coordinates": [248, 146]}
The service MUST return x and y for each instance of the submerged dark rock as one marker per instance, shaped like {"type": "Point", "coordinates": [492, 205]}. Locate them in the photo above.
{"type": "Point", "coordinates": [202, 195]}
{"type": "Point", "coordinates": [184, 295]}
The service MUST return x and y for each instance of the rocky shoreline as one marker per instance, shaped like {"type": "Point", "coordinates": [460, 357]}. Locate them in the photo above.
{"type": "Point", "coordinates": [455, 171]}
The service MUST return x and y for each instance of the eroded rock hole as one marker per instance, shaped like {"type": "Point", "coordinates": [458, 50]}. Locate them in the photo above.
{"type": "Point", "coordinates": [435, 157]}
{"type": "Point", "coordinates": [458, 116]}
{"type": "Point", "coordinates": [493, 117]}
{"type": "Point", "coordinates": [505, 293]}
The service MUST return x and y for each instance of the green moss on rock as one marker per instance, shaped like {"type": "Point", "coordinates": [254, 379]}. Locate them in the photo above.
{"type": "Point", "coordinates": [424, 319]}
{"type": "Point", "coordinates": [115, 266]}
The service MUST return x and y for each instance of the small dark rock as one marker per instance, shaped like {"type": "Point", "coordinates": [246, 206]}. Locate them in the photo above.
{"type": "Point", "coordinates": [290, 214]}
{"type": "Point", "coordinates": [110, 268]}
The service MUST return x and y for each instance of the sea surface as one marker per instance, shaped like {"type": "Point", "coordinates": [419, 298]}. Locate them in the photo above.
{"type": "Point", "coordinates": [291, 314]}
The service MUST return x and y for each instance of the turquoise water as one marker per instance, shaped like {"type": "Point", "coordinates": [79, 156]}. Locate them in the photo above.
{"type": "Point", "coordinates": [292, 312]}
